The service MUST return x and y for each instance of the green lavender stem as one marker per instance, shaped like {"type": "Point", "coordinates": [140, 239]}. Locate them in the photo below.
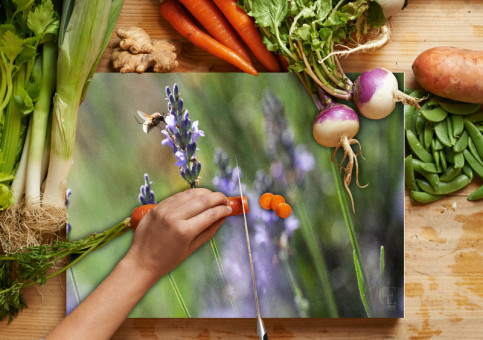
{"type": "Point", "coordinates": [362, 280]}
{"type": "Point", "coordinates": [315, 250]}
{"type": "Point", "coordinates": [178, 295]}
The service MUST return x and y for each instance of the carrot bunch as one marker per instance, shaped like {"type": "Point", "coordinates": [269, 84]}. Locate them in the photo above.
{"type": "Point", "coordinates": [276, 203]}
{"type": "Point", "coordinates": [222, 19]}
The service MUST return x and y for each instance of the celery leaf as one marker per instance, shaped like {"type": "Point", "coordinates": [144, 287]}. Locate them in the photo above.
{"type": "Point", "coordinates": [43, 20]}
{"type": "Point", "coordinates": [11, 45]}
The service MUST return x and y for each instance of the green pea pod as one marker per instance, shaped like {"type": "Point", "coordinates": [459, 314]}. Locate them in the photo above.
{"type": "Point", "coordinates": [419, 94]}
{"type": "Point", "coordinates": [428, 135]}
{"type": "Point", "coordinates": [419, 124]}
{"type": "Point", "coordinates": [436, 144]}
{"type": "Point", "coordinates": [449, 154]}
{"type": "Point", "coordinates": [459, 160]}
{"type": "Point", "coordinates": [449, 126]}
{"type": "Point", "coordinates": [462, 142]}
{"type": "Point", "coordinates": [435, 115]}
{"type": "Point", "coordinates": [445, 188]}
{"type": "Point", "coordinates": [442, 160]}
{"type": "Point", "coordinates": [474, 164]}
{"type": "Point", "coordinates": [423, 197]}
{"type": "Point", "coordinates": [458, 124]}
{"type": "Point", "coordinates": [475, 117]}
{"type": "Point", "coordinates": [480, 128]}
{"type": "Point", "coordinates": [432, 178]}
{"type": "Point", "coordinates": [433, 101]}
{"type": "Point", "coordinates": [475, 135]}
{"type": "Point", "coordinates": [460, 108]}
{"type": "Point", "coordinates": [417, 148]}
{"type": "Point", "coordinates": [476, 195]}
{"type": "Point", "coordinates": [441, 130]}
{"type": "Point", "coordinates": [468, 171]}
{"type": "Point", "coordinates": [474, 152]}
{"type": "Point", "coordinates": [429, 167]}
{"type": "Point", "coordinates": [409, 115]}
{"type": "Point", "coordinates": [450, 174]}
{"type": "Point", "coordinates": [436, 157]}
{"type": "Point", "coordinates": [409, 173]}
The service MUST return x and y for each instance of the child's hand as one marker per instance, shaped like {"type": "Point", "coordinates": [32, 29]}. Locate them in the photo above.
{"type": "Point", "coordinates": [175, 228]}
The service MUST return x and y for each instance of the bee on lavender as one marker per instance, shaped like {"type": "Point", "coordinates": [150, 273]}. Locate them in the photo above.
{"type": "Point", "coordinates": [151, 120]}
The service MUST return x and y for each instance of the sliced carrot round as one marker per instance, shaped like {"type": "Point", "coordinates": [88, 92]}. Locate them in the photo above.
{"type": "Point", "coordinates": [283, 210]}
{"type": "Point", "coordinates": [275, 201]}
{"type": "Point", "coordinates": [265, 200]}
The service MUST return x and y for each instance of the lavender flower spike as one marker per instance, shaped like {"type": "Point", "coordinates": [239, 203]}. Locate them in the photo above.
{"type": "Point", "coordinates": [181, 135]}
{"type": "Point", "coordinates": [146, 195]}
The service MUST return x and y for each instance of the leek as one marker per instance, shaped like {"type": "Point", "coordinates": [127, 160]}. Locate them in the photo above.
{"type": "Point", "coordinates": [83, 29]}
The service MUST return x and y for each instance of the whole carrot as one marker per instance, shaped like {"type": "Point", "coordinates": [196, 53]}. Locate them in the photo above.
{"type": "Point", "coordinates": [245, 27]}
{"type": "Point", "coordinates": [177, 16]}
{"type": "Point", "coordinates": [210, 17]}
{"type": "Point", "coordinates": [234, 202]}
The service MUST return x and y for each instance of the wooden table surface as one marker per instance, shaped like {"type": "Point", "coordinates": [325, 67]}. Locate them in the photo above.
{"type": "Point", "coordinates": [443, 241]}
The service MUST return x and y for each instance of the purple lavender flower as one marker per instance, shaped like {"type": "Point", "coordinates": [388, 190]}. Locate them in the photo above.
{"type": "Point", "coordinates": [146, 195]}
{"type": "Point", "coordinates": [181, 136]}
{"type": "Point", "coordinates": [68, 226]}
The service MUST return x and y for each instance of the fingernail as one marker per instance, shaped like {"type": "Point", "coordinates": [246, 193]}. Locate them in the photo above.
{"type": "Point", "coordinates": [229, 209]}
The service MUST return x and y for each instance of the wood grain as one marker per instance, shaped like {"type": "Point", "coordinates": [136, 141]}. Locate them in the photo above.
{"type": "Point", "coordinates": [443, 241]}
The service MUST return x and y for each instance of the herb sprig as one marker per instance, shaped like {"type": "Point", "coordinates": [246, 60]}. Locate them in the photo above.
{"type": "Point", "coordinates": [30, 266]}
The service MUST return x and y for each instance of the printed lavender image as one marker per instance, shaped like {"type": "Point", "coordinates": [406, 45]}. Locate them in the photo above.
{"type": "Point", "coordinates": [321, 261]}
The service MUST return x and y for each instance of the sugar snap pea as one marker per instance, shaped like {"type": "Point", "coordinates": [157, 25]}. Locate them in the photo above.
{"type": "Point", "coordinates": [444, 188]}
{"type": "Point", "coordinates": [475, 135]}
{"type": "Point", "coordinates": [419, 123]}
{"type": "Point", "coordinates": [423, 197]}
{"type": "Point", "coordinates": [480, 128]}
{"type": "Point", "coordinates": [462, 142]}
{"type": "Point", "coordinates": [449, 154]}
{"type": "Point", "coordinates": [474, 164]}
{"type": "Point", "coordinates": [476, 195]}
{"type": "Point", "coordinates": [450, 174]}
{"type": "Point", "coordinates": [459, 160]}
{"type": "Point", "coordinates": [409, 114]}
{"type": "Point", "coordinates": [417, 148]}
{"type": "Point", "coordinates": [474, 152]}
{"type": "Point", "coordinates": [449, 126]}
{"type": "Point", "coordinates": [458, 124]}
{"type": "Point", "coordinates": [437, 114]}
{"type": "Point", "coordinates": [429, 167]}
{"type": "Point", "coordinates": [409, 173]}
{"type": "Point", "coordinates": [475, 117]}
{"type": "Point", "coordinates": [468, 171]}
{"type": "Point", "coordinates": [432, 178]}
{"type": "Point", "coordinates": [433, 101]}
{"type": "Point", "coordinates": [428, 135]}
{"type": "Point", "coordinates": [441, 130]}
{"type": "Point", "coordinates": [436, 145]}
{"type": "Point", "coordinates": [460, 108]}
{"type": "Point", "coordinates": [418, 94]}
{"type": "Point", "coordinates": [442, 160]}
{"type": "Point", "coordinates": [436, 157]}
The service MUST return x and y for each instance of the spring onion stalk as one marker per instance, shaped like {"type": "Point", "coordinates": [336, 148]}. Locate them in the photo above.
{"type": "Point", "coordinates": [80, 43]}
{"type": "Point", "coordinates": [39, 122]}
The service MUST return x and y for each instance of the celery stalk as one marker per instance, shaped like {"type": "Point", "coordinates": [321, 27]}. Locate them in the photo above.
{"type": "Point", "coordinates": [79, 47]}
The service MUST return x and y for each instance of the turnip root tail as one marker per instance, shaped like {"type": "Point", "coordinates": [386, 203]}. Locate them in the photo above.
{"type": "Point", "coordinates": [352, 159]}
{"type": "Point", "coordinates": [400, 96]}
{"type": "Point", "coordinates": [380, 39]}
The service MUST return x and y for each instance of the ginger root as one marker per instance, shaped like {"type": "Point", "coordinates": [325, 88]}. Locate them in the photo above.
{"type": "Point", "coordinates": [135, 40]}
{"type": "Point", "coordinates": [132, 54]}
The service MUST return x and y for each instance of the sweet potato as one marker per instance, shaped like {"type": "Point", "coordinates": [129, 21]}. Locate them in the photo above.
{"type": "Point", "coordinates": [451, 72]}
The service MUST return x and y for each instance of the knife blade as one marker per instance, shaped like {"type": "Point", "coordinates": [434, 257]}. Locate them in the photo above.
{"type": "Point", "coordinates": [260, 326]}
